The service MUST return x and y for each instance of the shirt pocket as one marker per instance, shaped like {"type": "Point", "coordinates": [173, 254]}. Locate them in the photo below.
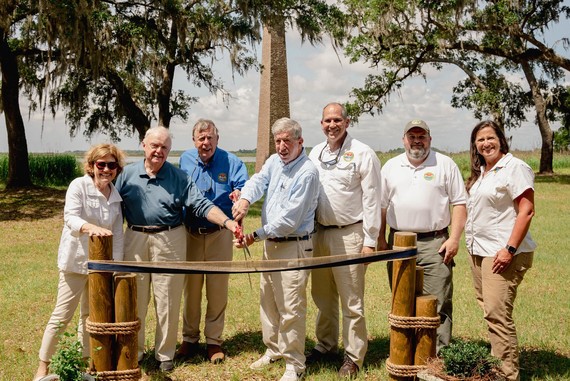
{"type": "Point", "coordinates": [346, 175]}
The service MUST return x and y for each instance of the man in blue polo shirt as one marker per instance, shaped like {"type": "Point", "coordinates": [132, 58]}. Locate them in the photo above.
{"type": "Point", "coordinates": [154, 194]}
{"type": "Point", "coordinates": [219, 175]}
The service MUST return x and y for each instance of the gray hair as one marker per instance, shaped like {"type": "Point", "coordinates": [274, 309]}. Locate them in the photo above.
{"type": "Point", "coordinates": [156, 131]}
{"type": "Point", "coordinates": [203, 125]}
{"type": "Point", "coordinates": [287, 125]}
{"type": "Point", "coordinates": [343, 111]}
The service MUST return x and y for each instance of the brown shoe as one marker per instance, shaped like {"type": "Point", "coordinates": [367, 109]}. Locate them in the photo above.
{"type": "Point", "coordinates": [187, 350]}
{"type": "Point", "coordinates": [215, 354]}
{"type": "Point", "coordinates": [348, 368]}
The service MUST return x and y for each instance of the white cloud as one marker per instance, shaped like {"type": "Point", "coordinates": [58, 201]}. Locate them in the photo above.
{"type": "Point", "coordinates": [316, 77]}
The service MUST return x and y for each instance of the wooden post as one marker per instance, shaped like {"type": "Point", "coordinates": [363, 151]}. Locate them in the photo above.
{"type": "Point", "coordinates": [419, 280]}
{"type": "Point", "coordinates": [426, 306]}
{"type": "Point", "coordinates": [403, 300]}
{"type": "Point", "coordinates": [101, 303]}
{"type": "Point", "coordinates": [126, 312]}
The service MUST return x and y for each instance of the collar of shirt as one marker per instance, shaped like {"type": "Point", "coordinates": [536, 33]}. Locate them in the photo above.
{"type": "Point", "coordinates": [159, 175]}
{"type": "Point", "coordinates": [290, 165]}
{"type": "Point", "coordinates": [429, 161]}
{"type": "Point", "coordinates": [500, 164]}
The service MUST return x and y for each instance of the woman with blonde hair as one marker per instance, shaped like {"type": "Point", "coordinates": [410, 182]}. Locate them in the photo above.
{"type": "Point", "coordinates": [92, 208]}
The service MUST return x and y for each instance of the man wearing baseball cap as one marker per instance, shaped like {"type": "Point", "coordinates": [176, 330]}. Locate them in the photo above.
{"type": "Point", "coordinates": [418, 188]}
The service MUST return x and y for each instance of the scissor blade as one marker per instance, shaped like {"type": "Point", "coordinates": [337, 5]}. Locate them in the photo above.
{"type": "Point", "coordinates": [246, 254]}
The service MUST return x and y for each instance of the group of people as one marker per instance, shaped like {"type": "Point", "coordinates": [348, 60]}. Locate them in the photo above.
{"type": "Point", "coordinates": [337, 200]}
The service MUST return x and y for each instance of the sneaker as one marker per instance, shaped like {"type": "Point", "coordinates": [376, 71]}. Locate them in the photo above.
{"type": "Point", "coordinates": [166, 366]}
{"type": "Point", "coordinates": [215, 354]}
{"type": "Point", "coordinates": [262, 362]}
{"type": "Point", "coordinates": [292, 375]}
{"type": "Point", "coordinates": [348, 369]}
{"type": "Point", "coordinates": [187, 350]}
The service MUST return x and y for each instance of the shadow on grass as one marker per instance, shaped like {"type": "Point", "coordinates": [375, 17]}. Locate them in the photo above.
{"type": "Point", "coordinates": [539, 364]}
{"type": "Point", "coordinates": [552, 179]}
{"type": "Point", "coordinates": [247, 341]}
{"type": "Point", "coordinates": [31, 203]}
{"type": "Point", "coordinates": [378, 352]}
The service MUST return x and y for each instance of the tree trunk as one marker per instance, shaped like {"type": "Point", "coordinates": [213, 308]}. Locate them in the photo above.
{"type": "Point", "coordinates": [18, 164]}
{"type": "Point", "coordinates": [136, 116]}
{"type": "Point", "coordinates": [164, 94]}
{"type": "Point", "coordinates": [547, 150]}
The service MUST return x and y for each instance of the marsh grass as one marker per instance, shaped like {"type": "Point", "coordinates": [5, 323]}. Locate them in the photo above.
{"type": "Point", "coordinates": [28, 281]}
{"type": "Point", "coordinates": [46, 169]}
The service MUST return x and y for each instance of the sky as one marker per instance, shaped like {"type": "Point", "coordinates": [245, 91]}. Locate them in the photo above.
{"type": "Point", "coordinates": [317, 76]}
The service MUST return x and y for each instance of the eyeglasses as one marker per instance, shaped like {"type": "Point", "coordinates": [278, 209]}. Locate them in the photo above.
{"type": "Point", "coordinates": [332, 161]}
{"type": "Point", "coordinates": [101, 165]}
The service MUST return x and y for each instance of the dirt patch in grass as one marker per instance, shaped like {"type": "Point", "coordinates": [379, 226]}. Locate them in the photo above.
{"type": "Point", "coordinates": [31, 203]}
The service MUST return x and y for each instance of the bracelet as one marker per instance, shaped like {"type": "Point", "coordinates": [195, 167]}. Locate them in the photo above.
{"type": "Point", "coordinates": [225, 222]}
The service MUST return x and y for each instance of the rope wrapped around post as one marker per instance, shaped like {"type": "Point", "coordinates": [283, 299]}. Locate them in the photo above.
{"type": "Point", "coordinates": [414, 321]}
{"type": "Point", "coordinates": [413, 318]}
{"type": "Point", "coordinates": [112, 321]}
{"type": "Point", "coordinates": [123, 328]}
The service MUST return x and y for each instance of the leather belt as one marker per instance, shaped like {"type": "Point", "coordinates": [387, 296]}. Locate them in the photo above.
{"type": "Point", "coordinates": [153, 229]}
{"type": "Point", "coordinates": [203, 230]}
{"type": "Point", "coordinates": [424, 235]}
{"type": "Point", "coordinates": [287, 239]}
{"type": "Point", "coordinates": [338, 226]}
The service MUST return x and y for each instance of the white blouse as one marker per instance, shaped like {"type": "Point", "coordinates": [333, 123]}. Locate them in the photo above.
{"type": "Point", "coordinates": [491, 210]}
{"type": "Point", "coordinates": [84, 203]}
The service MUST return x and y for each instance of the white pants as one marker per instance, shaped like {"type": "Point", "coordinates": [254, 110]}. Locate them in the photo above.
{"type": "Point", "coordinates": [284, 304]}
{"type": "Point", "coordinates": [167, 288]}
{"type": "Point", "coordinates": [72, 290]}
{"type": "Point", "coordinates": [345, 283]}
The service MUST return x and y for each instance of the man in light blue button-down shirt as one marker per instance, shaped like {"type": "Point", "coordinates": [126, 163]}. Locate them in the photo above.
{"type": "Point", "coordinates": [290, 184]}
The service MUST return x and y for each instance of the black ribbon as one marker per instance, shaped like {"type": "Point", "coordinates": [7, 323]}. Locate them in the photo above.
{"type": "Point", "coordinates": [243, 267]}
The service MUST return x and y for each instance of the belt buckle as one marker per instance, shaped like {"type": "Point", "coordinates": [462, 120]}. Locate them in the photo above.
{"type": "Point", "coordinates": [202, 230]}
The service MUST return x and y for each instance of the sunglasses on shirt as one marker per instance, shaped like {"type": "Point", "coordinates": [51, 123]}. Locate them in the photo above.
{"type": "Point", "coordinates": [101, 165]}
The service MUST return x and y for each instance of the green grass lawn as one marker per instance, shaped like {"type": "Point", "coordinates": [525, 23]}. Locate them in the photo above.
{"type": "Point", "coordinates": [30, 228]}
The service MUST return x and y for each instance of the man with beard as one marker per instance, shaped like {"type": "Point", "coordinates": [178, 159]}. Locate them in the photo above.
{"type": "Point", "coordinates": [418, 188]}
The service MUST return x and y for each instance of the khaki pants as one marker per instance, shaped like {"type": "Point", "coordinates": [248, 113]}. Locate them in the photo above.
{"type": "Point", "coordinates": [167, 288]}
{"type": "Point", "coordinates": [345, 283]}
{"type": "Point", "coordinates": [283, 308]}
{"type": "Point", "coordinates": [216, 246]}
{"type": "Point", "coordinates": [496, 294]}
{"type": "Point", "coordinates": [72, 290]}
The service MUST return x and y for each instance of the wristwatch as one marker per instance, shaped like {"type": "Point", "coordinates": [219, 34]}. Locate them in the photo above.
{"type": "Point", "coordinates": [511, 249]}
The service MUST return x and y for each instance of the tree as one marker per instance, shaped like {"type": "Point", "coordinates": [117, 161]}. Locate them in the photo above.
{"type": "Point", "coordinates": [111, 64]}
{"type": "Point", "coordinates": [125, 54]}
{"type": "Point", "coordinates": [560, 110]}
{"type": "Point", "coordinates": [13, 16]}
{"type": "Point", "coordinates": [483, 38]}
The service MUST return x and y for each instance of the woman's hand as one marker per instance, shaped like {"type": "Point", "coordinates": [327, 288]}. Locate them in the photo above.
{"type": "Point", "coordinates": [502, 260]}
{"type": "Point", "coordinates": [94, 230]}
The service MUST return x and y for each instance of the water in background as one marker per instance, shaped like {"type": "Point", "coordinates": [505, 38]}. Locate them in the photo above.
{"type": "Point", "coordinates": [176, 159]}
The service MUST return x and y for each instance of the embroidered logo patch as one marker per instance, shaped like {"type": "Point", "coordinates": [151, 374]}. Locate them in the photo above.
{"type": "Point", "coordinates": [222, 177]}
{"type": "Point", "coordinates": [429, 176]}
{"type": "Point", "coordinates": [348, 156]}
